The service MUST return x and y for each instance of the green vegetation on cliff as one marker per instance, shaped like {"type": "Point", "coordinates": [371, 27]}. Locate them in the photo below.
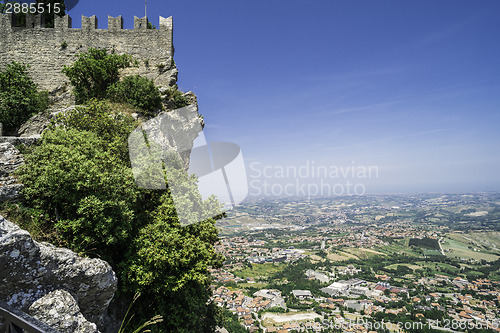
{"type": "Point", "coordinates": [96, 74]}
{"type": "Point", "coordinates": [94, 71]}
{"type": "Point", "coordinates": [80, 190]}
{"type": "Point", "coordinates": [137, 91]}
{"type": "Point", "coordinates": [79, 178]}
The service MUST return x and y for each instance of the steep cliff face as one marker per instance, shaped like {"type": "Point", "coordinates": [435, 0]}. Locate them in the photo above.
{"type": "Point", "coordinates": [55, 285]}
{"type": "Point", "coordinates": [32, 270]}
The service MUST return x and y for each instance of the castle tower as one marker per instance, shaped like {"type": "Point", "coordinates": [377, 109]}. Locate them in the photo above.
{"type": "Point", "coordinates": [48, 50]}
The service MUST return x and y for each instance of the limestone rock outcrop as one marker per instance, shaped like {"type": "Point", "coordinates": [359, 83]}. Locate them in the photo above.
{"type": "Point", "coordinates": [59, 310]}
{"type": "Point", "coordinates": [176, 130]}
{"type": "Point", "coordinates": [34, 127]}
{"type": "Point", "coordinates": [31, 270]}
{"type": "Point", "coordinates": [10, 160]}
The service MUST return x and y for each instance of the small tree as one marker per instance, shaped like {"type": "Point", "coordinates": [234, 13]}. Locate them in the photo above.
{"type": "Point", "coordinates": [19, 97]}
{"type": "Point", "coordinates": [94, 71]}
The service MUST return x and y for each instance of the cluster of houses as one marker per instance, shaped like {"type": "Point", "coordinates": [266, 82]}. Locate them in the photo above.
{"type": "Point", "coordinates": [358, 287]}
{"type": "Point", "coordinates": [280, 255]}
{"type": "Point", "coordinates": [223, 276]}
{"type": "Point", "coordinates": [244, 306]}
{"type": "Point", "coordinates": [460, 306]}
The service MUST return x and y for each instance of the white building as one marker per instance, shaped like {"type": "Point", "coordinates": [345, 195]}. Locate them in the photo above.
{"type": "Point", "coordinates": [302, 294]}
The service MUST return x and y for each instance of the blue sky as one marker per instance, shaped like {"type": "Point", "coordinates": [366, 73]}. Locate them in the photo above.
{"type": "Point", "coordinates": [411, 87]}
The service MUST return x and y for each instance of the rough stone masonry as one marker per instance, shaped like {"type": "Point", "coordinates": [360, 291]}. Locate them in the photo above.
{"type": "Point", "coordinates": [47, 50]}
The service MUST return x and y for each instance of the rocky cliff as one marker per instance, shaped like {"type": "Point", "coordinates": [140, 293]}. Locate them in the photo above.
{"type": "Point", "coordinates": [53, 284]}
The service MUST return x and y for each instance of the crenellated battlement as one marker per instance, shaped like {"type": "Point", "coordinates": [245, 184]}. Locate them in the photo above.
{"type": "Point", "coordinates": [48, 50]}
{"type": "Point", "coordinates": [88, 23]}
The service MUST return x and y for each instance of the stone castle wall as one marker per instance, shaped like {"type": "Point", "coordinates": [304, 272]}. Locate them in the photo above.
{"type": "Point", "coordinates": [47, 50]}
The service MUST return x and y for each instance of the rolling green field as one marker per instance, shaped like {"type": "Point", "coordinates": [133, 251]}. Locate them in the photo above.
{"type": "Point", "coordinates": [459, 246]}
{"type": "Point", "coordinates": [258, 285]}
{"type": "Point", "coordinates": [258, 271]}
{"type": "Point", "coordinates": [411, 266]}
{"type": "Point", "coordinates": [363, 253]}
{"type": "Point", "coordinates": [340, 256]}
{"type": "Point", "coordinates": [400, 247]}
{"type": "Point", "coordinates": [484, 241]}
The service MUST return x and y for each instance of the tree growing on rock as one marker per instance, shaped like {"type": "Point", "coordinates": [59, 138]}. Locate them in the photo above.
{"type": "Point", "coordinates": [94, 71]}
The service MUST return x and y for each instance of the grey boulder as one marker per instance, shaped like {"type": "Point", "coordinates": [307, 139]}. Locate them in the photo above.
{"type": "Point", "coordinates": [59, 310]}
{"type": "Point", "coordinates": [31, 270]}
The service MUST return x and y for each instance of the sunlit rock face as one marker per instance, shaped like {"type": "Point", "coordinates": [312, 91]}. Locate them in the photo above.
{"type": "Point", "coordinates": [10, 160]}
{"type": "Point", "coordinates": [59, 310]}
{"type": "Point", "coordinates": [31, 270]}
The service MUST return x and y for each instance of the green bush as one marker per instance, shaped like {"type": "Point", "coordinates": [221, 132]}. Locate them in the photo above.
{"type": "Point", "coordinates": [230, 322]}
{"type": "Point", "coordinates": [97, 117]}
{"type": "Point", "coordinates": [137, 91]}
{"type": "Point", "coordinates": [174, 249]}
{"type": "Point", "coordinates": [90, 194]}
{"type": "Point", "coordinates": [94, 71]}
{"type": "Point", "coordinates": [276, 309]}
{"type": "Point", "coordinates": [19, 97]}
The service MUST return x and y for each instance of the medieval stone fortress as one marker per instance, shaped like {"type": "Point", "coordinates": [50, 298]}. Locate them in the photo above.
{"type": "Point", "coordinates": [48, 50]}
{"type": "Point", "coordinates": [27, 284]}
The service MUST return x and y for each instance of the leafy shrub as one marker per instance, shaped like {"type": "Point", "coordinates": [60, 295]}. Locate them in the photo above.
{"type": "Point", "coordinates": [94, 71]}
{"type": "Point", "coordinates": [174, 249]}
{"type": "Point", "coordinates": [138, 91]}
{"type": "Point", "coordinates": [97, 117]}
{"type": "Point", "coordinates": [79, 175]}
{"type": "Point", "coordinates": [19, 97]}
{"type": "Point", "coordinates": [90, 194]}
{"type": "Point", "coordinates": [276, 309]}
{"type": "Point", "coordinates": [230, 322]}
